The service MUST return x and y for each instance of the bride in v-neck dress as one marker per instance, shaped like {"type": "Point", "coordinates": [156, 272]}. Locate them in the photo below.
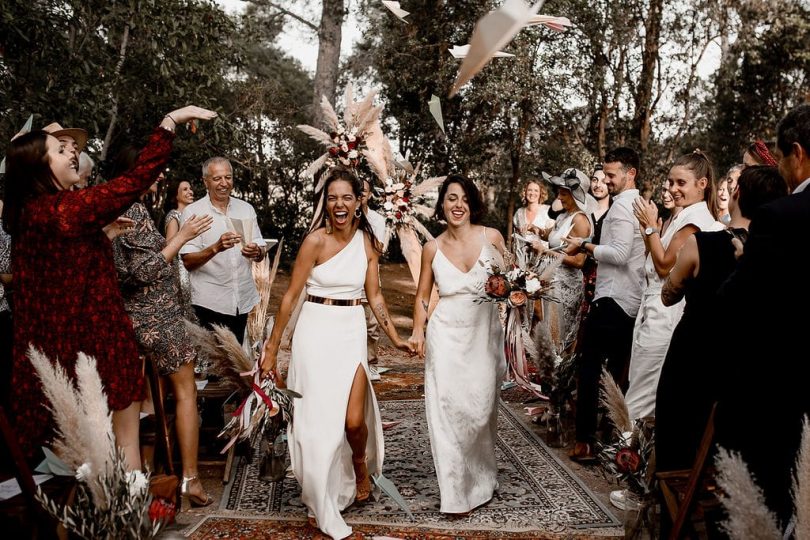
{"type": "Point", "coordinates": [463, 350]}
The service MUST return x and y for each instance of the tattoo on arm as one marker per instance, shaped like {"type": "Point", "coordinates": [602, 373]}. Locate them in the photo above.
{"type": "Point", "coordinates": [425, 306]}
{"type": "Point", "coordinates": [670, 293]}
{"type": "Point", "coordinates": [382, 315]}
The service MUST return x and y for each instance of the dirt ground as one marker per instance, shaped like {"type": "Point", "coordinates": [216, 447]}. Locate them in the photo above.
{"type": "Point", "coordinates": [405, 381]}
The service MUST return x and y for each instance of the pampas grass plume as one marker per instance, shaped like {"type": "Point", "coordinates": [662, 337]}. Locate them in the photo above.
{"type": "Point", "coordinates": [64, 404]}
{"type": "Point", "coordinates": [612, 398]}
{"type": "Point", "coordinates": [240, 362]}
{"type": "Point", "coordinates": [748, 516]}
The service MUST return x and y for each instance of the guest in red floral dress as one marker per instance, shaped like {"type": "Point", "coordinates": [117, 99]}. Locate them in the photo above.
{"type": "Point", "coordinates": [66, 289]}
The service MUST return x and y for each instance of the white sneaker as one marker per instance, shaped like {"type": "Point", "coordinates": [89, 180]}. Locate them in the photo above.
{"type": "Point", "coordinates": [624, 500]}
{"type": "Point", "coordinates": [374, 374]}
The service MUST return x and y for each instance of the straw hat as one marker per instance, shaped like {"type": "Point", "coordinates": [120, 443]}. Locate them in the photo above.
{"type": "Point", "coordinates": [79, 135]}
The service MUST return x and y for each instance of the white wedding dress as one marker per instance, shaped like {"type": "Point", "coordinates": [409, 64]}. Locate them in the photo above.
{"type": "Point", "coordinates": [464, 366]}
{"type": "Point", "coordinates": [328, 345]}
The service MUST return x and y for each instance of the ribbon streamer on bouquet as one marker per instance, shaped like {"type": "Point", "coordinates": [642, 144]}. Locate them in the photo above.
{"type": "Point", "coordinates": [517, 364]}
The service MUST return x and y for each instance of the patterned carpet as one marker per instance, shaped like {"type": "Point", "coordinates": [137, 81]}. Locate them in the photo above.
{"type": "Point", "coordinates": [538, 496]}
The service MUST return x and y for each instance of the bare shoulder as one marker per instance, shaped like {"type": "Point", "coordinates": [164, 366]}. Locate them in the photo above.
{"type": "Point", "coordinates": [315, 240]}
{"type": "Point", "coordinates": [494, 236]}
{"type": "Point", "coordinates": [429, 249]}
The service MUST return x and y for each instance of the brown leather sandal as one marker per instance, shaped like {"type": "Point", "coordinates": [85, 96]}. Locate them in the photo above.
{"type": "Point", "coordinates": [582, 453]}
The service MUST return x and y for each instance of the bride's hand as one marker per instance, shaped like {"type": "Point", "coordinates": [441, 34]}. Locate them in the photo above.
{"type": "Point", "coordinates": [417, 344]}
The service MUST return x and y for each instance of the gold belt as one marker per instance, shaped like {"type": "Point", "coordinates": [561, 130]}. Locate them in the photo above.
{"type": "Point", "coordinates": [333, 301]}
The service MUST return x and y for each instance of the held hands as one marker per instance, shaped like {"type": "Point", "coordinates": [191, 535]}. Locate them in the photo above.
{"type": "Point", "coordinates": [252, 251]}
{"type": "Point", "coordinates": [194, 226]}
{"type": "Point", "coordinates": [416, 343]}
{"type": "Point", "coordinates": [646, 212]}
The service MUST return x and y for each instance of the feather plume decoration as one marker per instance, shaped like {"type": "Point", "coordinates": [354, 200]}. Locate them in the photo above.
{"type": "Point", "coordinates": [364, 123]}
{"type": "Point", "coordinates": [329, 114]}
{"type": "Point", "coordinates": [801, 486]}
{"type": "Point", "coordinates": [427, 185]}
{"type": "Point", "coordinates": [611, 397]}
{"type": "Point", "coordinates": [748, 516]}
{"type": "Point", "coordinates": [64, 404]}
{"type": "Point", "coordinates": [314, 167]}
{"type": "Point", "coordinates": [375, 163]}
{"type": "Point", "coordinates": [421, 229]}
{"type": "Point", "coordinates": [348, 105]}
{"type": "Point", "coordinates": [97, 425]}
{"type": "Point", "coordinates": [240, 361]}
{"type": "Point", "coordinates": [363, 109]}
{"type": "Point", "coordinates": [317, 134]}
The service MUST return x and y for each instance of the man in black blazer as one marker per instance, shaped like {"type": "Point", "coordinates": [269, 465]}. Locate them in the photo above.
{"type": "Point", "coordinates": [761, 410]}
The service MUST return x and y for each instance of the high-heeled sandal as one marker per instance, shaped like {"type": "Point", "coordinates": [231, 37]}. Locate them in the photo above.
{"type": "Point", "coordinates": [195, 500]}
{"type": "Point", "coordinates": [362, 479]}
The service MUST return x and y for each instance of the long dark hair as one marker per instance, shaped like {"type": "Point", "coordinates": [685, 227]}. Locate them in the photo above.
{"type": "Point", "coordinates": [474, 199]}
{"type": "Point", "coordinates": [171, 200]}
{"type": "Point", "coordinates": [28, 176]}
{"type": "Point", "coordinates": [346, 175]}
{"type": "Point", "coordinates": [124, 161]}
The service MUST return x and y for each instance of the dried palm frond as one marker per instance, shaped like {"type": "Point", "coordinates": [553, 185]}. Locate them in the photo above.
{"type": "Point", "coordinates": [547, 266]}
{"type": "Point", "coordinates": [421, 229]}
{"type": "Point", "coordinates": [427, 185]}
{"type": "Point", "coordinates": [65, 406]}
{"type": "Point", "coordinates": [748, 516]}
{"type": "Point", "coordinates": [239, 360]}
{"type": "Point", "coordinates": [317, 134]}
{"type": "Point", "coordinates": [801, 486]}
{"type": "Point", "coordinates": [611, 397]}
{"type": "Point", "coordinates": [329, 114]}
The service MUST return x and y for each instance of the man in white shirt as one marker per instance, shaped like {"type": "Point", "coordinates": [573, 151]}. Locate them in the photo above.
{"type": "Point", "coordinates": [373, 329]}
{"type": "Point", "coordinates": [222, 287]}
{"type": "Point", "coordinates": [608, 334]}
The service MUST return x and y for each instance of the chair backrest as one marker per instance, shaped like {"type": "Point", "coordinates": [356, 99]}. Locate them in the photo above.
{"type": "Point", "coordinates": [21, 470]}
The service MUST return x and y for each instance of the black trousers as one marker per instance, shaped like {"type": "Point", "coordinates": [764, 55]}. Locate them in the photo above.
{"type": "Point", "coordinates": [606, 340]}
{"type": "Point", "coordinates": [234, 323]}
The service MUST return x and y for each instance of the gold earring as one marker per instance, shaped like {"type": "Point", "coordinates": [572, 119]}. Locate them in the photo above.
{"type": "Point", "coordinates": [328, 225]}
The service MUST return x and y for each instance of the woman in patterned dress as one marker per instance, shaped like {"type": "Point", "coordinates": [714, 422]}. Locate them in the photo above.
{"type": "Point", "coordinates": [147, 272]}
{"type": "Point", "coordinates": [178, 196]}
{"type": "Point", "coordinates": [66, 289]}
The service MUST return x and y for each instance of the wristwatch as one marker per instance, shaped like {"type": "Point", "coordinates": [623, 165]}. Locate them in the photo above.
{"type": "Point", "coordinates": [649, 231]}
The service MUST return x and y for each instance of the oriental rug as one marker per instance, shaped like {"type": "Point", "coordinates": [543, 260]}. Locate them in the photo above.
{"type": "Point", "coordinates": [538, 494]}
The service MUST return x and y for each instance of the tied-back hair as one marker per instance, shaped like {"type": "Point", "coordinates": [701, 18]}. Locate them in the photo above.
{"type": "Point", "coordinates": [28, 176]}
{"type": "Point", "coordinates": [337, 174]}
{"type": "Point", "coordinates": [701, 166]}
{"type": "Point", "coordinates": [124, 161]}
{"type": "Point", "coordinates": [474, 199]}
{"type": "Point", "coordinates": [759, 185]}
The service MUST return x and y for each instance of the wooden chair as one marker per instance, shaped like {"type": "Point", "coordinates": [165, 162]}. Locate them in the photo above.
{"type": "Point", "coordinates": [163, 438]}
{"type": "Point", "coordinates": [681, 488]}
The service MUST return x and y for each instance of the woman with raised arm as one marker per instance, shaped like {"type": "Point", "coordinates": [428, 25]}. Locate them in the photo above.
{"type": "Point", "coordinates": [463, 349]}
{"type": "Point", "coordinates": [335, 437]}
{"type": "Point", "coordinates": [66, 288]}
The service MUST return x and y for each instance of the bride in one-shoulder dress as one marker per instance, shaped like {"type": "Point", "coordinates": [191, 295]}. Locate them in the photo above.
{"type": "Point", "coordinates": [463, 349]}
{"type": "Point", "coordinates": [335, 438]}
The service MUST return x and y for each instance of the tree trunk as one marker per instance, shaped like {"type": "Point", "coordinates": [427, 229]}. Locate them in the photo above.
{"type": "Point", "coordinates": [326, 73]}
{"type": "Point", "coordinates": [649, 61]}
{"type": "Point", "coordinates": [122, 55]}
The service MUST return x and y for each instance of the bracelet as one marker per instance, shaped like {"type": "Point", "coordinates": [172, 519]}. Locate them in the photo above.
{"type": "Point", "coordinates": [169, 116]}
{"type": "Point", "coordinates": [582, 246]}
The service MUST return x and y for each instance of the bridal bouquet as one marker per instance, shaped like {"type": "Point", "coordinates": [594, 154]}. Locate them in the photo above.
{"type": "Point", "coordinates": [517, 285]}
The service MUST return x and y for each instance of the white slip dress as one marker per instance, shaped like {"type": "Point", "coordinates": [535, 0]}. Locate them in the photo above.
{"type": "Point", "coordinates": [464, 366]}
{"type": "Point", "coordinates": [328, 345]}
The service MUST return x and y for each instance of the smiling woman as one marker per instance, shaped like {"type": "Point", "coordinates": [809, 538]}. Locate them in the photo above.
{"type": "Point", "coordinates": [67, 298]}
